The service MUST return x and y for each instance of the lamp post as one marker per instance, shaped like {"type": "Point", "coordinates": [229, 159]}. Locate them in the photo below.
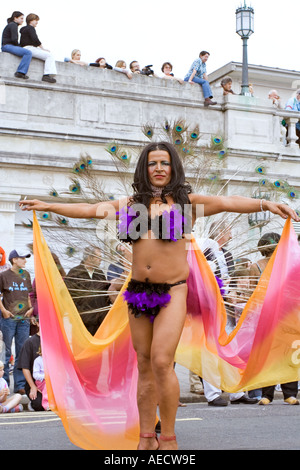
{"type": "Point", "coordinates": [259, 219]}
{"type": "Point", "coordinates": [244, 28]}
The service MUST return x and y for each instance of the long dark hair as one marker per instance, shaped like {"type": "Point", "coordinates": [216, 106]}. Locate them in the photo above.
{"type": "Point", "coordinates": [15, 14]}
{"type": "Point", "coordinates": [178, 187]}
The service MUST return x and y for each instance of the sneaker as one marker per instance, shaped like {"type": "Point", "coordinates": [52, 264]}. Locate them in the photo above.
{"type": "Point", "coordinates": [264, 401]}
{"type": "Point", "coordinates": [21, 75]}
{"type": "Point", "coordinates": [291, 401]}
{"type": "Point", "coordinates": [47, 78]}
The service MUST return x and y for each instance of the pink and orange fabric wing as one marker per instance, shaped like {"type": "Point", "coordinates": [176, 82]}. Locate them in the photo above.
{"type": "Point", "coordinates": [92, 380]}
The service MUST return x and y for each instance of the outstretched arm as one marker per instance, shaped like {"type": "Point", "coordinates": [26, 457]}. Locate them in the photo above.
{"type": "Point", "coordinates": [210, 205]}
{"type": "Point", "coordinates": [100, 210]}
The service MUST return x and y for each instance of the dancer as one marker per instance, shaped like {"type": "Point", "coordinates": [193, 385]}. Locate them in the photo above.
{"type": "Point", "coordinates": [159, 272]}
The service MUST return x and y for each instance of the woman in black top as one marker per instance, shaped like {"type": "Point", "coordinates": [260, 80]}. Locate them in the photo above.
{"type": "Point", "coordinates": [10, 43]}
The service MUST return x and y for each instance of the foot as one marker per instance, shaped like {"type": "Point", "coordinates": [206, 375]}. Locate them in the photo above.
{"type": "Point", "coordinates": [244, 400]}
{"type": "Point", "coordinates": [47, 78]}
{"type": "Point", "coordinates": [209, 102]}
{"type": "Point", "coordinates": [167, 442]}
{"type": "Point", "coordinates": [181, 404]}
{"type": "Point", "coordinates": [148, 441]}
{"type": "Point", "coordinates": [291, 401]}
{"type": "Point", "coordinates": [264, 401]}
{"type": "Point", "coordinates": [218, 402]}
{"type": "Point", "coordinates": [21, 75]}
{"type": "Point", "coordinates": [16, 409]}
{"type": "Point", "coordinates": [197, 390]}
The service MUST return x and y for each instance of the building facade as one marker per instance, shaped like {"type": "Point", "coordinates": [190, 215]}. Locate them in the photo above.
{"type": "Point", "coordinates": [45, 128]}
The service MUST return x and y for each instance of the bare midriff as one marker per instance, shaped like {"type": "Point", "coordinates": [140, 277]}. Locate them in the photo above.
{"type": "Point", "coordinates": [160, 260]}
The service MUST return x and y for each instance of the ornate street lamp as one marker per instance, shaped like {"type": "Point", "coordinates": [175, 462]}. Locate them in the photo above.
{"type": "Point", "coordinates": [259, 219]}
{"type": "Point", "coordinates": [244, 28]}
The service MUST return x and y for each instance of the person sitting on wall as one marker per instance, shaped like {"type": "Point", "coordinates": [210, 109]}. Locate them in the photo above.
{"type": "Point", "coordinates": [10, 43]}
{"type": "Point", "coordinates": [197, 74]}
{"type": "Point", "coordinates": [31, 42]}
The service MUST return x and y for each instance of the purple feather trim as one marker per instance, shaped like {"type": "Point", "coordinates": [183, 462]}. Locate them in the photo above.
{"type": "Point", "coordinates": [221, 285]}
{"type": "Point", "coordinates": [143, 301]}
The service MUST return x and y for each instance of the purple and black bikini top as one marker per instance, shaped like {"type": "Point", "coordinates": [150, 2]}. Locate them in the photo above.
{"type": "Point", "coordinates": [134, 222]}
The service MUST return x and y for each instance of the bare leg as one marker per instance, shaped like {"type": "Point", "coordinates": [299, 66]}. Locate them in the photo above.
{"type": "Point", "coordinates": [166, 334]}
{"type": "Point", "coordinates": [141, 332]}
{"type": "Point", "coordinates": [12, 401]}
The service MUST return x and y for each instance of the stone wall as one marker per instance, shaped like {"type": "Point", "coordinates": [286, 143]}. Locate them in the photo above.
{"type": "Point", "coordinates": [45, 127]}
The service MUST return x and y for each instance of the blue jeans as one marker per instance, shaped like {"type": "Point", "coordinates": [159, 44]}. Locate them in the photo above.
{"type": "Point", "coordinates": [20, 52]}
{"type": "Point", "coordinates": [205, 86]}
{"type": "Point", "coordinates": [18, 329]}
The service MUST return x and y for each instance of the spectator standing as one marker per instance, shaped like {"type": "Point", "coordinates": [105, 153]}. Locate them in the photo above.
{"type": "Point", "coordinates": [167, 68]}
{"type": "Point", "coordinates": [117, 273]}
{"type": "Point", "coordinates": [115, 269]}
{"type": "Point", "coordinates": [30, 41]}
{"type": "Point", "coordinates": [135, 66]}
{"type": "Point", "coordinates": [121, 67]}
{"type": "Point", "coordinates": [3, 264]}
{"type": "Point", "coordinates": [10, 43]}
{"type": "Point", "coordinates": [267, 245]}
{"type": "Point", "coordinates": [273, 95]}
{"type": "Point", "coordinates": [226, 84]}
{"type": "Point", "coordinates": [198, 74]}
{"type": "Point", "coordinates": [101, 62]}
{"type": "Point", "coordinates": [16, 309]}
{"type": "Point", "coordinates": [76, 58]}
{"type": "Point", "coordinates": [223, 260]}
{"type": "Point", "coordinates": [84, 283]}
{"type": "Point", "coordinates": [293, 104]}
{"type": "Point", "coordinates": [28, 354]}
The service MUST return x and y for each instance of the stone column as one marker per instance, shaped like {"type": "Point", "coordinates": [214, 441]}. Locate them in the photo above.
{"type": "Point", "coordinates": [291, 135]}
{"type": "Point", "coordinates": [7, 217]}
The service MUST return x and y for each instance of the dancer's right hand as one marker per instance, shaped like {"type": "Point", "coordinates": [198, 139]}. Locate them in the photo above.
{"type": "Point", "coordinates": [33, 205]}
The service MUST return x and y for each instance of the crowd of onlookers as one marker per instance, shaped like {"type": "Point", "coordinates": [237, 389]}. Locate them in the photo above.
{"type": "Point", "coordinates": [20, 346]}
{"type": "Point", "coordinates": [31, 46]}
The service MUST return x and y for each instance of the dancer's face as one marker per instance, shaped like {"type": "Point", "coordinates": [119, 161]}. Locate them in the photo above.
{"type": "Point", "coordinates": [159, 168]}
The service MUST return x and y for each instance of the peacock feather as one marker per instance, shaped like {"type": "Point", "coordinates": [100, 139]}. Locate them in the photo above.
{"type": "Point", "coordinates": [205, 159]}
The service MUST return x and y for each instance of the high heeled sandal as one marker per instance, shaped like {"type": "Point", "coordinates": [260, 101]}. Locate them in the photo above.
{"type": "Point", "coordinates": [147, 435]}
